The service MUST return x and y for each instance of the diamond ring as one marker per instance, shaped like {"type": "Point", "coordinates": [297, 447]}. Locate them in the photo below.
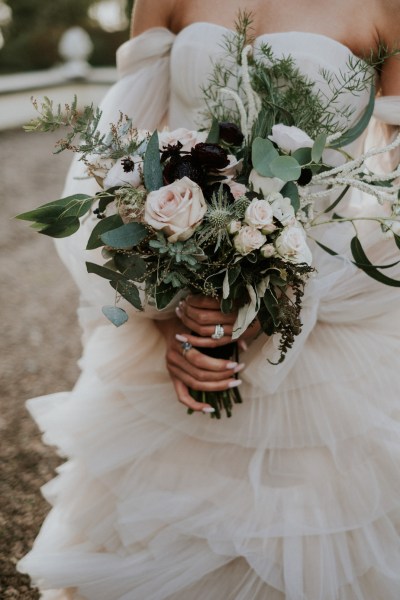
{"type": "Point", "coordinates": [186, 346]}
{"type": "Point", "coordinates": [219, 332]}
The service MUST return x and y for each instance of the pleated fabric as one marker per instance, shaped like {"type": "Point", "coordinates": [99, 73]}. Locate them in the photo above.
{"type": "Point", "coordinates": [297, 496]}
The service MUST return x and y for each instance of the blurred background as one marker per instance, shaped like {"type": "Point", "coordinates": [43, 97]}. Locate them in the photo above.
{"type": "Point", "coordinates": [31, 30]}
{"type": "Point", "coordinates": [57, 48]}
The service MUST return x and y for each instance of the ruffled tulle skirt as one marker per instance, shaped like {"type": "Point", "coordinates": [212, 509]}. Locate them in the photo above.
{"type": "Point", "coordinates": [296, 497]}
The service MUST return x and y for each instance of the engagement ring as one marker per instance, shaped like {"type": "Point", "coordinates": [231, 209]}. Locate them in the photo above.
{"type": "Point", "coordinates": [218, 333]}
{"type": "Point", "coordinates": [186, 346]}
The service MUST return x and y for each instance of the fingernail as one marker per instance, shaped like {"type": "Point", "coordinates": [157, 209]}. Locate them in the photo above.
{"type": "Point", "coordinates": [231, 365]}
{"type": "Point", "coordinates": [181, 304]}
{"type": "Point", "coordinates": [234, 383]}
{"type": "Point", "coordinates": [239, 368]}
{"type": "Point", "coordinates": [178, 312]}
{"type": "Point", "coordinates": [243, 345]}
{"type": "Point", "coordinates": [181, 338]}
{"type": "Point", "coordinates": [208, 410]}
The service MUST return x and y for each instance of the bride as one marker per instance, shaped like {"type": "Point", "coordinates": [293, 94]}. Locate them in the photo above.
{"type": "Point", "coordinates": [297, 496]}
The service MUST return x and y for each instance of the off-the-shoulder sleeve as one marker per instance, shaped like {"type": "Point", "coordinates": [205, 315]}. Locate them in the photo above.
{"type": "Point", "coordinates": [142, 93]}
{"type": "Point", "coordinates": [387, 110]}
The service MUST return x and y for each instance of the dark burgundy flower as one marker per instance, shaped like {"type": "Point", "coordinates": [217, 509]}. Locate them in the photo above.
{"type": "Point", "coordinates": [230, 133]}
{"type": "Point", "coordinates": [127, 164]}
{"type": "Point", "coordinates": [171, 151]}
{"type": "Point", "coordinates": [211, 156]}
{"type": "Point", "coordinates": [183, 166]}
{"type": "Point", "coordinates": [305, 177]}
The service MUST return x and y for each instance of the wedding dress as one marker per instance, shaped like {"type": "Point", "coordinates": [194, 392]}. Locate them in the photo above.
{"type": "Point", "coordinates": [297, 496]}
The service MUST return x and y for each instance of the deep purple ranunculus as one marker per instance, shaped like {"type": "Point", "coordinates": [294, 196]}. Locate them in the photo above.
{"type": "Point", "coordinates": [230, 133]}
{"type": "Point", "coordinates": [211, 156]}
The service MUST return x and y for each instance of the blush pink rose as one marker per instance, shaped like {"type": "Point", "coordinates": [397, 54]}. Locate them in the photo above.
{"type": "Point", "coordinates": [248, 239]}
{"type": "Point", "coordinates": [176, 209]}
{"type": "Point", "coordinates": [186, 137]}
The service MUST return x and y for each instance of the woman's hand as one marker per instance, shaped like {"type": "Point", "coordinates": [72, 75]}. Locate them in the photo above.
{"type": "Point", "coordinates": [193, 369]}
{"type": "Point", "coordinates": [200, 314]}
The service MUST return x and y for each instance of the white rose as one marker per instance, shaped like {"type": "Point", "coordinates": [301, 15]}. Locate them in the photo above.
{"type": "Point", "coordinates": [259, 215]}
{"type": "Point", "coordinates": [186, 137]}
{"type": "Point", "coordinates": [282, 209]}
{"type": "Point", "coordinates": [291, 244]}
{"type": "Point", "coordinates": [267, 250]}
{"type": "Point", "coordinates": [265, 185]}
{"type": "Point", "coordinates": [238, 189]}
{"type": "Point", "coordinates": [248, 239]}
{"type": "Point", "coordinates": [177, 209]}
{"type": "Point", "coordinates": [290, 139]}
{"type": "Point", "coordinates": [234, 227]}
{"type": "Point", "coordinates": [117, 176]}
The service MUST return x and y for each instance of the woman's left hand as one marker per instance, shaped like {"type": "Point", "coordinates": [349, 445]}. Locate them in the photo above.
{"type": "Point", "coordinates": [200, 314]}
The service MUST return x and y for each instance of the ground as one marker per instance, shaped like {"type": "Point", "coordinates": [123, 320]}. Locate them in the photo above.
{"type": "Point", "coordinates": [39, 343]}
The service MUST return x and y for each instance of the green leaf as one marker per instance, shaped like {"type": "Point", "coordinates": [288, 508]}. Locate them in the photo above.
{"type": "Point", "coordinates": [126, 236]}
{"type": "Point", "coordinates": [102, 226]}
{"type": "Point", "coordinates": [338, 199]}
{"type": "Point", "coordinates": [291, 191]}
{"type": "Point", "coordinates": [152, 170]}
{"type": "Point", "coordinates": [213, 134]}
{"type": "Point", "coordinates": [164, 295]}
{"type": "Point", "coordinates": [365, 264]}
{"type": "Point", "coordinates": [272, 306]}
{"type": "Point", "coordinates": [132, 266]}
{"type": "Point", "coordinates": [302, 155]}
{"type": "Point", "coordinates": [104, 272]}
{"type": "Point", "coordinates": [129, 291]}
{"type": "Point", "coordinates": [71, 206]}
{"type": "Point", "coordinates": [286, 168]}
{"type": "Point", "coordinates": [233, 273]}
{"type": "Point", "coordinates": [318, 147]}
{"type": "Point", "coordinates": [116, 315]}
{"type": "Point", "coordinates": [62, 228]}
{"type": "Point", "coordinates": [263, 153]}
{"type": "Point", "coordinates": [354, 132]}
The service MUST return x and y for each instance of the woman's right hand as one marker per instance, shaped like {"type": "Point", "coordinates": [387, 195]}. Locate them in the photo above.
{"type": "Point", "coordinates": [193, 369]}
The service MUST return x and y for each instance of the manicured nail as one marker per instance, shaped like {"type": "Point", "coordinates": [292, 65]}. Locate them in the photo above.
{"type": "Point", "coordinates": [181, 304]}
{"type": "Point", "coordinates": [234, 383]}
{"type": "Point", "coordinates": [208, 410]}
{"type": "Point", "coordinates": [231, 365]}
{"type": "Point", "coordinates": [243, 345]}
{"type": "Point", "coordinates": [239, 368]}
{"type": "Point", "coordinates": [181, 338]}
{"type": "Point", "coordinates": [178, 312]}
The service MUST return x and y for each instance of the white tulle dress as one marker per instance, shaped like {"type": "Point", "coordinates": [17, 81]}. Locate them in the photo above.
{"type": "Point", "coordinates": [297, 496]}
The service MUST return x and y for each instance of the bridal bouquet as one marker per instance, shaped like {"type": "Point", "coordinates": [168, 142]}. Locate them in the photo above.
{"type": "Point", "coordinates": [224, 211]}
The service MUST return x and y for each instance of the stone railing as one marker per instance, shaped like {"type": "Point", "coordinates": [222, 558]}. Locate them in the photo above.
{"type": "Point", "coordinates": [74, 76]}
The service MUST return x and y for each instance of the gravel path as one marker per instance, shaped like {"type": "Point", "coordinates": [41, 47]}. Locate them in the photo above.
{"type": "Point", "coordinates": [39, 343]}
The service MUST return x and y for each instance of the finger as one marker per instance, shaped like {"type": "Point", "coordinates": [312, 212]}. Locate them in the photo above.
{"type": "Point", "coordinates": [204, 342]}
{"type": "Point", "coordinates": [207, 317]}
{"type": "Point", "coordinates": [202, 330]}
{"type": "Point", "coordinates": [203, 386]}
{"type": "Point", "coordinates": [185, 398]}
{"type": "Point", "coordinates": [200, 301]}
{"type": "Point", "coordinates": [201, 374]}
{"type": "Point", "coordinates": [202, 361]}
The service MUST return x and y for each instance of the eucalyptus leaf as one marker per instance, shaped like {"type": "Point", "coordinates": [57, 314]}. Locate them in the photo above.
{"type": "Point", "coordinates": [302, 155]}
{"type": "Point", "coordinates": [286, 168]}
{"type": "Point", "coordinates": [318, 147]}
{"type": "Point", "coordinates": [102, 226]}
{"type": "Point", "coordinates": [152, 170]}
{"type": "Point", "coordinates": [125, 237]}
{"type": "Point", "coordinates": [116, 315]}
{"type": "Point", "coordinates": [132, 266]}
{"type": "Point", "coordinates": [291, 191]}
{"type": "Point", "coordinates": [71, 206]}
{"type": "Point", "coordinates": [129, 291]}
{"type": "Point", "coordinates": [62, 228]}
{"type": "Point", "coordinates": [104, 272]}
{"type": "Point", "coordinates": [263, 153]}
